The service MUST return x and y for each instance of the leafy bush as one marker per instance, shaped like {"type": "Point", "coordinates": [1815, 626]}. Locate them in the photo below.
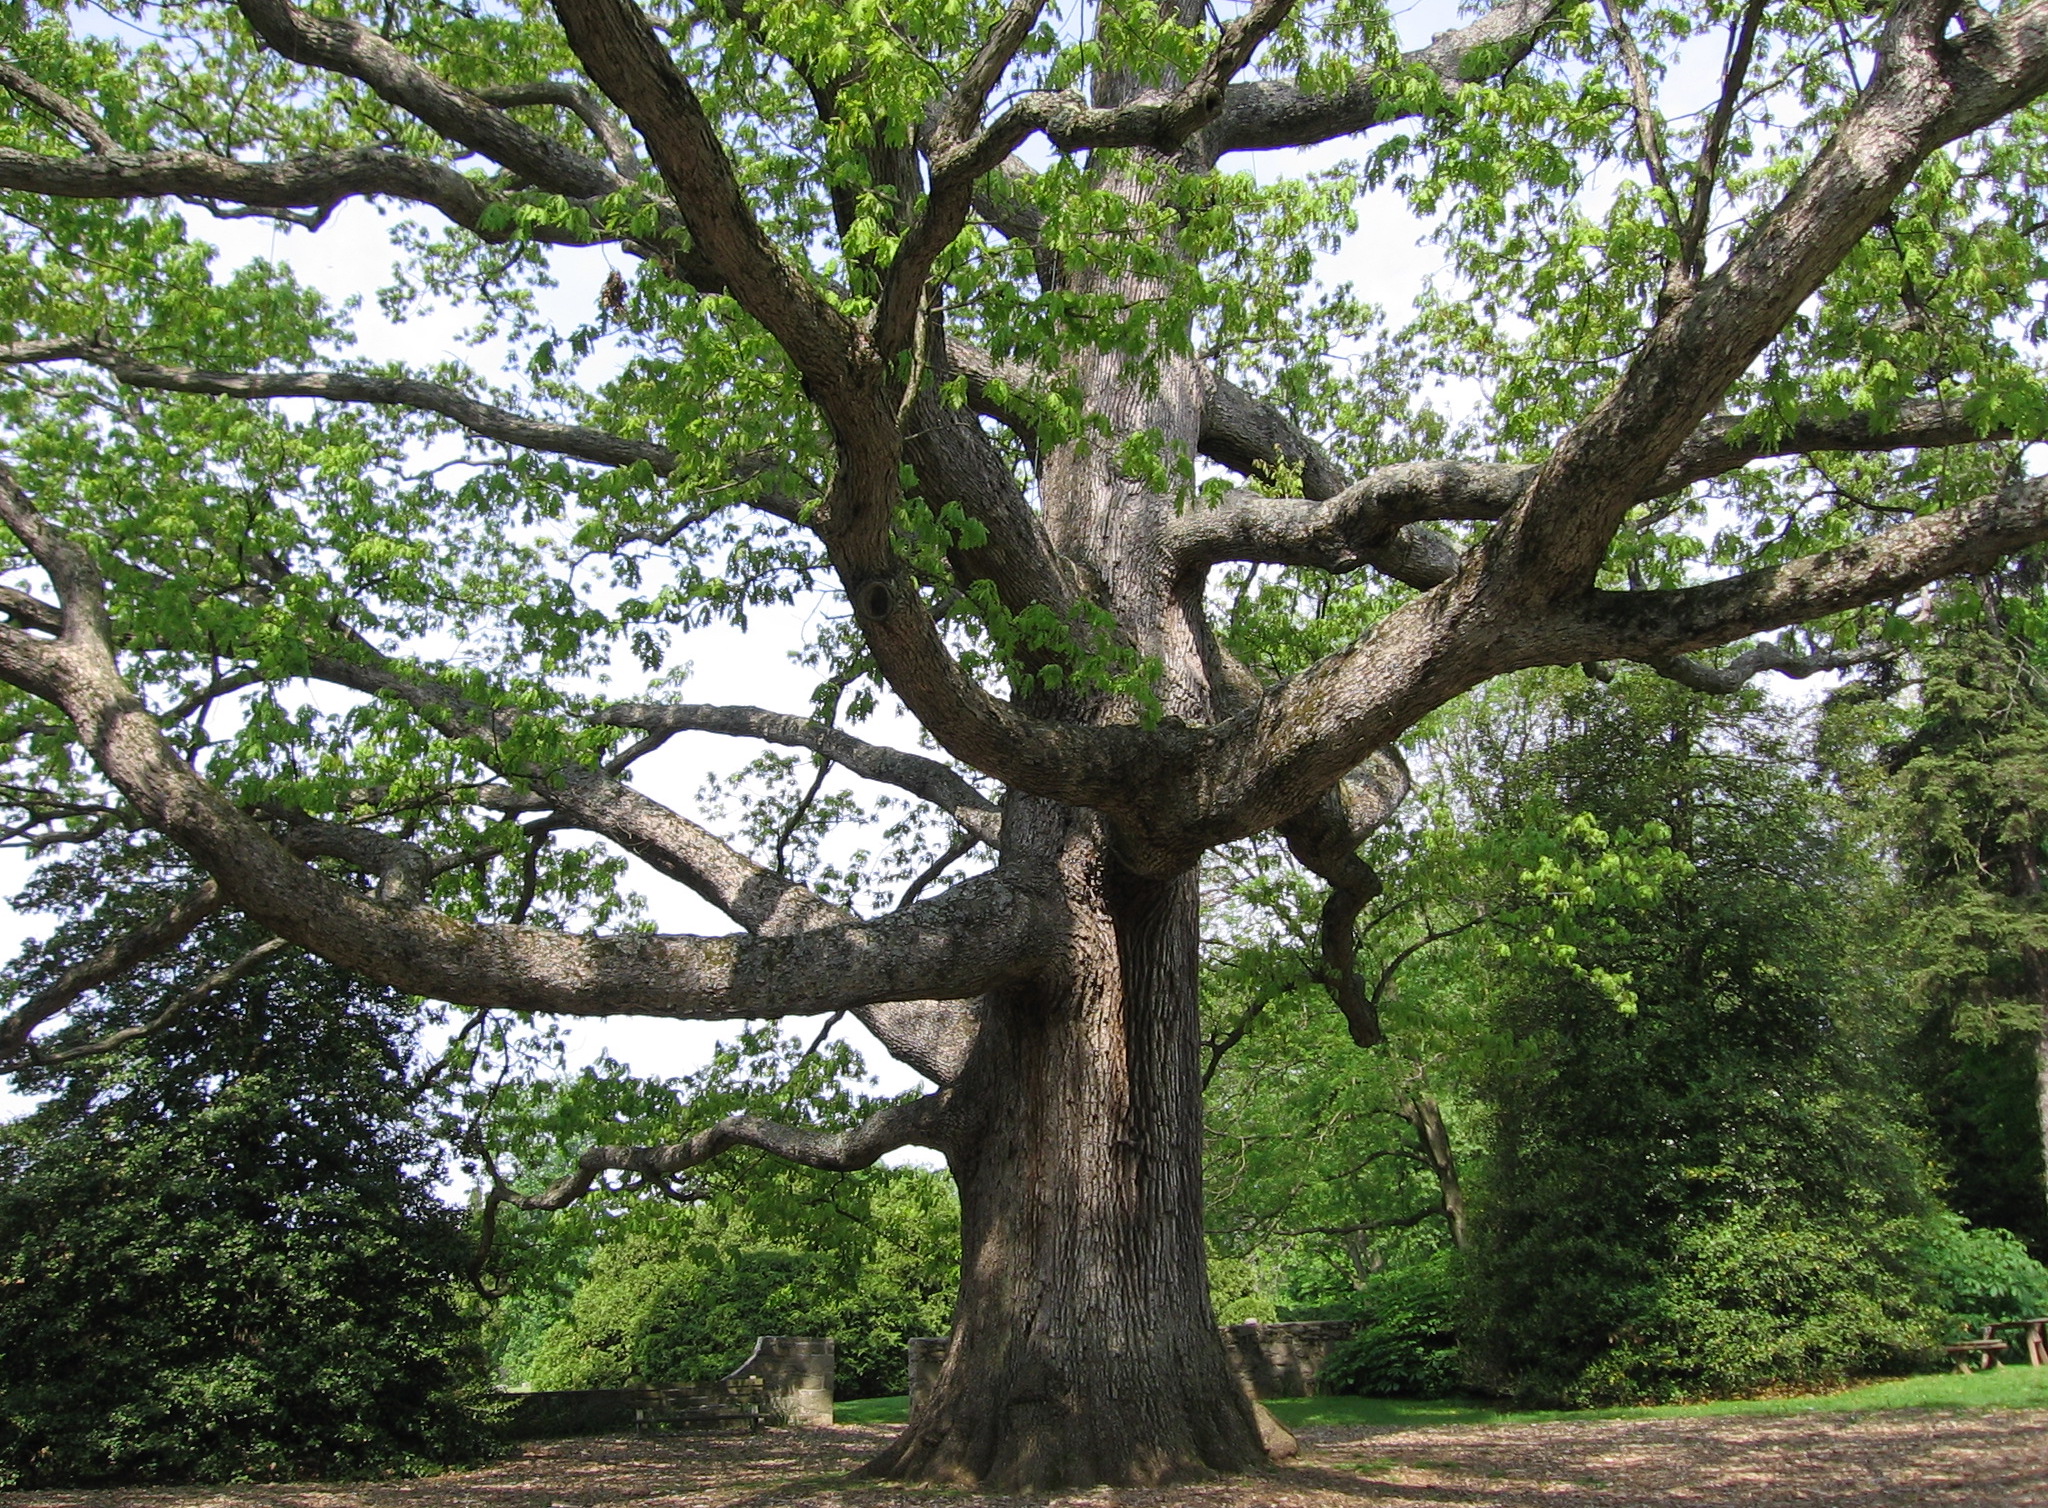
{"type": "Point", "coordinates": [685, 1304]}
{"type": "Point", "coordinates": [220, 1251]}
{"type": "Point", "coordinates": [1721, 1191]}
{"type": "Point", "coordinates": [1983, 1275]}
{"type": "Point", "coordinates": [1759, 1298]}
{"type": "Point", "coordinates": [1407, 1340]}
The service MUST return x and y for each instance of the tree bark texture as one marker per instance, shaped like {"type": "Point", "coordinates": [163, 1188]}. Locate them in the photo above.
{"type": "Point", "coordinates": [1084, 1350]}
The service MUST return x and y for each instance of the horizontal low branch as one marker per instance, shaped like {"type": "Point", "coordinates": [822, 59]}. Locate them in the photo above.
{"type": "Point", "coordinates": [148, 941]}
{"type": "Point", "coordinates": [317, 181]}
{"type": "Point", "coordinates": [195, 994]}
{"type": "Point", "coordinates": [982, 933]}
{"type": "Point", "coordinates": [915, 1123]}
{"type": "Point", "coordinates": [488, 420]}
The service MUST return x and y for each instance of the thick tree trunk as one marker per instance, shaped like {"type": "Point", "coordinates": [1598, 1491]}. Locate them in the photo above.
{"type": "Point", "coordinates": [1084, 1350]}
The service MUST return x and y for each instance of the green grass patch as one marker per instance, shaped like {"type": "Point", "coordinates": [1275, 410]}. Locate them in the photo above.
{"type": "Point", "coordinates": [2005, 1388]}
{"type": "Point", "coordinates": [871, 1411]}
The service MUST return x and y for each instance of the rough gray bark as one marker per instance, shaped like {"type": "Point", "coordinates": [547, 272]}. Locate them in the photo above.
{"type": "Point", "coordinates": [1083, 1348]}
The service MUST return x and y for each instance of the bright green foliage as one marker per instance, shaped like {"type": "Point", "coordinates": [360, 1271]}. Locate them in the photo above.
{"type": "Point", "coordinates": [627, 1286]}
{"type": "Point", "coordinates": [1984, 1275]}
{"type": "Point", "coordinates": [1720, 1192]}
{"type": "Point", "coordinates": [1407, 1336]}
{"type": "Point", "coordinates": [1320, 1192]}
{"type": "Point", "coordinates": [684, 1302]}
{"type": "Point", "coordinates": [221, 1250]}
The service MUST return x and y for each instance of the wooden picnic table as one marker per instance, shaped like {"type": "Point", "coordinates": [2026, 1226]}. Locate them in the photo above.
{"type": "Point", "coordinates": [2036, 1341]}
{"type": "Point", "coordinates": [1986, 1351]}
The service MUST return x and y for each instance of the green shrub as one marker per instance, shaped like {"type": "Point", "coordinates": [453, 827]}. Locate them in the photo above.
{"type": "Point", "coordinates": [1406, 1343]}
{"type": "Point", "coordinates": [1760, 1299]}
{"type": "Point", "coordinates": [686, 1304]}
{"type": "Point", "coordinates": [1983, 1275]}
{"type": "Point", "coordinates": [221, 1256]}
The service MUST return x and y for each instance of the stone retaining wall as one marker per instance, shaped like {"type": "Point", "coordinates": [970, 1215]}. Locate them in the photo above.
{"type": "Point", "coordinates": [797, 1371]}
{"type": "Point", "coordinates": [1282, 1360]}
{"type": "Point", "coordinates": [794, 1372]}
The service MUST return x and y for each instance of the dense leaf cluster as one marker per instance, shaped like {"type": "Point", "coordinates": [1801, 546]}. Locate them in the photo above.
{"type": "Point", "coordinates": [222, 1255]}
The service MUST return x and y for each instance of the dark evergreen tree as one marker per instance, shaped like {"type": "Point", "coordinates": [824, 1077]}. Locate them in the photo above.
{"type": "Point", "coordinates": [1969, 814]}
{"type": "Point", "coordinates": [221, 1253]}
{"type": "Point", "coordinates": [1717, 1191]}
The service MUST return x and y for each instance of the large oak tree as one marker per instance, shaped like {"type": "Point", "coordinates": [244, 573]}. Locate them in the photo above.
{"type": "Point", "coordinates": [965, 311]}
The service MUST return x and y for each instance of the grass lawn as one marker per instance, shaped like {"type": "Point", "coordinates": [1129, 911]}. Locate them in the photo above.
{"type": "Point", "coordinates": [2005, 1388]}
{"type": "Point", "coordinates": [871, 1411]}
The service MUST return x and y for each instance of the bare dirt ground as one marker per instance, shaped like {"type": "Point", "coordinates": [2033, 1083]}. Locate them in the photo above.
{"type": "Point", "coordinates": [1879, 1460]}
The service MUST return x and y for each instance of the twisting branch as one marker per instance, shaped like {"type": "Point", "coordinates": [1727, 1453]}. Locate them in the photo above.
{"type": "Point", "coordinates": [486, 420]}
{"type": "Point", "coordinates": [348, 48]}
{"type": "Point", "coordinates": [922, 777]}
{"type": "Point", "coordinates": [594, 800]}
{"type": "Point", "coordinates": [195, 994]}
{"type": "Point", "coordinates": [402, 868]}
{"type": "Point", "coordinates": [1361, 525]}
{"type": "Point", "coordinates": [921, 1122]}
{"type": "Point", "coordinates": [1367, 523]}
{"type": "Point", "coordinates": [1270, 114]}
{"type": "Point", "coordinates": [1753, 662]}
{"type": "Point", "coordinates": [1325, 838]}
{"type": "Point", "coordinates": [579, 102]}
{"type": "Point", "coordinates": [110, 963]}
{"type": "Point", "coordinates": [622, 55]}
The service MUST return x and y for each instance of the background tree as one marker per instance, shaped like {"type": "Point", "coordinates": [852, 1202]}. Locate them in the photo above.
{"type": "Point", "coordinates": [1969, 812]}
{"type": "Point", "coordinates": [951, 308]}
{"type": "Point", "coordinates": [1723, 1188]}
{"type": "Point", "coordinates": [220, 1246]}
{"type": "Point", "coordinates": [623, 1287]}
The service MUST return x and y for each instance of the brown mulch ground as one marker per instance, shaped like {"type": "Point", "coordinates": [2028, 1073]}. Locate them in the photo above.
{"type": "Point", "coordinates": [1879, 1460]}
